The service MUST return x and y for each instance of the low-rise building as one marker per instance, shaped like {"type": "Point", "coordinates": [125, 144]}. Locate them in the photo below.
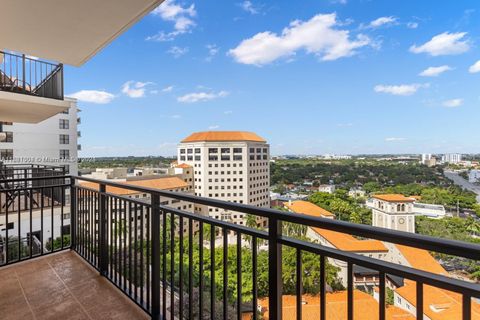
{"type": "Point", "coordinates": [393, 211]}
{"type": "Point", "coordinates": [327, 188]}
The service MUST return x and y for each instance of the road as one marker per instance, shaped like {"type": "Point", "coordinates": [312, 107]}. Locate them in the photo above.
{"type": "Point", "coordinates": [458, 180]}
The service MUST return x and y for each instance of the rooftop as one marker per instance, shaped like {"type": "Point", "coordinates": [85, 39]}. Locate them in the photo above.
{"type": "Point", "coordinates": [61, 286]}
{"type": "Point", "coordinates": [309, 208]}
{"type": "Point", "coordinates": [364, 304]}
{"type": "Point", "coordinates": [394, 198]}
{"type": "Point", "coordinates": [339, 240]}
{"type": "Point", "coordinates": [165, 183]}
{"type": "Point", "coordinates": [223, 136]}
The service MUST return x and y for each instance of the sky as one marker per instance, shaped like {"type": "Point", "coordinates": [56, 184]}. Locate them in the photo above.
{"type": "Point", "coordinates": [310, 76]}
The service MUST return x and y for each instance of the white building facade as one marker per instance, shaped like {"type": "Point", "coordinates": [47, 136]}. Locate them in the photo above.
{"type": "Point", "coordinates": [452, 158]}
{"type": "Point", "coordinates": [393, 211]}
{"type": "Point", "coordinates": [51, 142]}
{"type": "Point", "coordinates": [231, 166]}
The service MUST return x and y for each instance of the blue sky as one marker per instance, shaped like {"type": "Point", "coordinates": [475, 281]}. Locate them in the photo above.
{"type": "Point", "coordinates": [310, 76]}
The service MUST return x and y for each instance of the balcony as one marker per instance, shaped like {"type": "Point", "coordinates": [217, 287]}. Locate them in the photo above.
{"type": "Point", "coordinates": [31, 90]}
{"type": "Point", "coordinates": [173, 264]}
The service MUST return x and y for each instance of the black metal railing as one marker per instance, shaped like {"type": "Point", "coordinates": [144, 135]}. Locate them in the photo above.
{"type": "Point", "coordinates": [34, 216]}
{"type": "Point", "coordinates": [28, 75]}
{"type": "Point", "coordinates": [178, 264]}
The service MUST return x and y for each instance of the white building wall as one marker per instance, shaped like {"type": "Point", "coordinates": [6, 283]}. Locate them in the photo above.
{"type": "Point", "coordinates": [40, 143]}
{"type": "Point", "coordinates": [241, 175]}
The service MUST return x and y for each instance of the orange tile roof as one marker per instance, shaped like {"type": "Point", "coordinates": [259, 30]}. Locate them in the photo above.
{"type": "Point", "coordinates": [421, 259]}
{"type": "Point", "coordinates": [339, 240]}
{"type": "Point", "coordinates": [393, 198]}
{"type": "Point", "coordinates": [223, 136]}
{"type": "Point", "coordinates": [438, 303]}
{"type": "Point", "coordinates": [183, 166]}
{"type": "Point", "coordinates": [365, 307]}
{"type": "Point", "coordinates": [308, 208]}
{"type": "Point", "coordinates": [166, 183]}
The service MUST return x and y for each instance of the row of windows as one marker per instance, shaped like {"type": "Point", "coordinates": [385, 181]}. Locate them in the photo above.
{"type": "Point", "coordinates": [224, 150]}
{"type": "Point", "coordinates": [228, 180]}
{"type": "Point", "coordinates": [189, 151]}
{"type": "Point", "coordinates": [258, 171]}
{"type": "Point", "coordinates": [225, 187]}
{"type": "Point", "coordinates": [259, 150]}
{"type": "Point", "coordinates": [223, 195]}
{"type": "Point", "coordinates": [223, 172]}
{"type": "Point", "coordinates": [258, 191]}
{"type": "Point", "coordinates": [189, 158]}
{"type": "Point", "coordinates": [222, 165]}
{"type": "Point", "coordinates": [259, 157]}
{"type": "Point", "coordinates": [258, 164]}
{"type": "Point", "coordinates": [258, 178]}
{"type": "Point", "coordinates": [223, 157]}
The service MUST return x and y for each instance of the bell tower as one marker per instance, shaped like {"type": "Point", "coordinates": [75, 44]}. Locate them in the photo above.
{"type": "Point", "coordinates": [393, 211]}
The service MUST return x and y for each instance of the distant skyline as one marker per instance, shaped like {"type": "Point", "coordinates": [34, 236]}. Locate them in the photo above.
{"type": "Point", "coordinates": [311, 77]}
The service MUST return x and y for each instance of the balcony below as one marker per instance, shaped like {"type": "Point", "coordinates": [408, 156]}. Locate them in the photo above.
{"type": "Point", "coordinates": [61, 286]}
{"type": "Point", "coordinates": [31, 90]}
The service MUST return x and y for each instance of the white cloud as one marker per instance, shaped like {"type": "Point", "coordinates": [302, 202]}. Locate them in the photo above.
{"type": "Point", "coordinates": [135, 89]}
{"type": "Point", "coordinates": [444, 44]}
{"type": "Point", "coordinates": [453, 103]}
{"type": "Point", "coordinates": [212, 51]}
{"type": "Point", "coordinates": [93, 96]}
{"type": "Point", "coordinates": [399, 90]}
{"type": "Point", "coordinates": [412, 25]}
{"type": "Point", "coordinates": [316, 36]}
{"type": "Point", "coordinates": [214, 127]}
{"type": "Point", "coordinates": [475, 67]}
{"type": "Point", "coordinates": [228, 112]}
{"type": "Point", "coordinates": [249, 7]}
{"type": "Point", "coordinates": [434, 71]}
{"type": "Point", "coordinates": [177, 52]}
{"type": "Point", "coordinates": [202, 96]}
{"type": "Point", "coordinates": [382, 21]}
{"type": "Point", "coordinates": [395, 139]}
{"type": "Point", "coordinates": [182, 17]}
{"type": "Point", "coordinates": [167, 89]}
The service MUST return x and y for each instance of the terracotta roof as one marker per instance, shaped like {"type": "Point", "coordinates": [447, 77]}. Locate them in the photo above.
{"type": "Point", "coordinates": [439, 304]}
{"type": "Point", "coordinates": [364, 306]}
{"type": "Point", "coordinates": [393, 198]}
{"type": "Point", "coordinates": [166, 183]}
{"type": "Point", "coordinates": [421, 259]}
{"type": "Point", "coordinates": [223, 136]}
{"type": "Point", "coordinates": [183, 166]}
{"type": "Point", "coordinates": [308, 208]}
{"type": "Point", "coordinates": [339, 240]}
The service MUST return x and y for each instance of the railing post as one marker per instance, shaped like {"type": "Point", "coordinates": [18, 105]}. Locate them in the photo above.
{"type": "Point", "coordinates": [73, 215]}
{"type": "Point", "coordinates": [24, 74]}
{"type": "Point", "coordinates": [155, 254]}
{"type": "Point", "coordinates": [103, 245]}
{"type": "Point", "coordinates": [275, 282]}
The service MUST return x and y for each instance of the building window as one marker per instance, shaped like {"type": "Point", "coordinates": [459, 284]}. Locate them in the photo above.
{"type": "Point", "coordinates": [64, 139]}
{"type": "Point", "coordinates": [182, 158]}
{"type": "Point", "coordinates": [64, 124]}
{"type": "Point", "coordinates": [197, 150]}
{"type": "Point", "coordinates": [6, 154]}
{"type": "Point", "coordinates": [182, 151]}
{"type": "Point", "coordinates": [237, 150]}
{"type": "Point", "coordinates": [225, 158]}
{"type": "Point", "coordinates": [212, 150]}
{"type": "Point", "coordinates": [9, 137]}
{"type": "Point", "coordinates": [237, 157]}
{"type": "Point", "coordinates": [189, 151]}
{"type": "Point", "coordinates": [64, 154]}
{"type": "Point", "coordinates": [189, 158]}
{"type": "Point", "coordinates": [225, 150]}
{"type": "Point", "coordinates": [197, 158]}
{"type": "Point", "coordinates": [212, 158]}
{"type": "Point", "coordinates": [252, 157]}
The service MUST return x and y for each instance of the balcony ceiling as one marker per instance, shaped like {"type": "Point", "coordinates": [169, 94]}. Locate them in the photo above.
{"type": "Point", "coordinates": [67, 31]}
{"type": "Point", "coordinates": [24, 108]}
